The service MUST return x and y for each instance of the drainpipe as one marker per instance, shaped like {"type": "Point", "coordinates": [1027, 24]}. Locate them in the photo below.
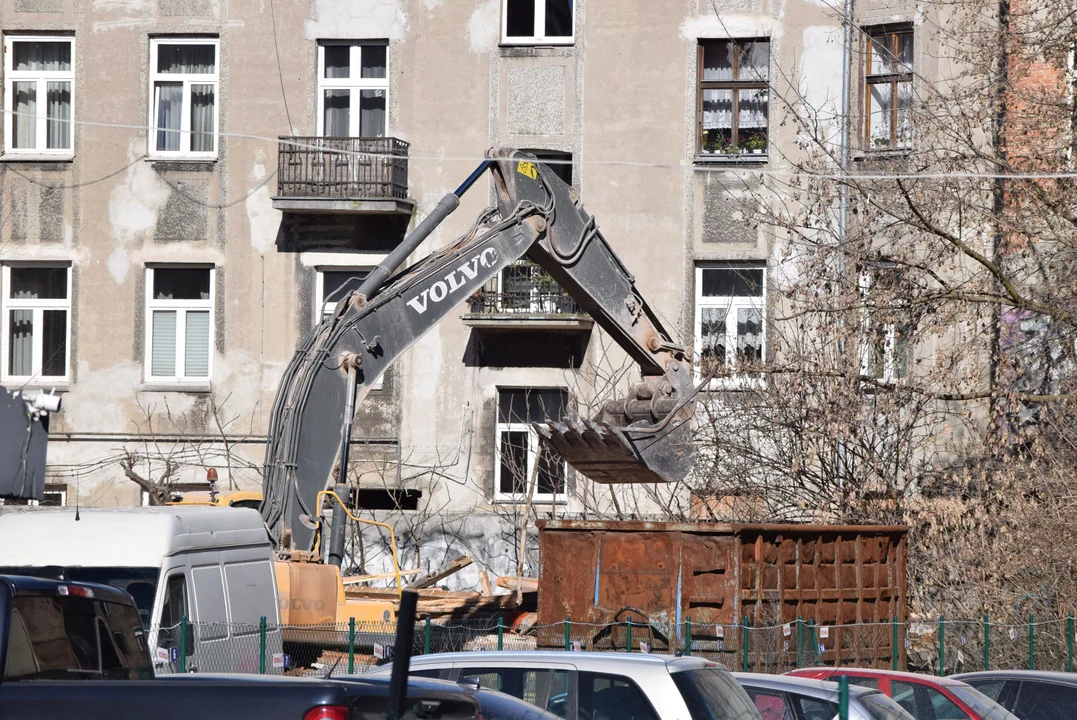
{"type": "Point", "coordinates": [843, 189]}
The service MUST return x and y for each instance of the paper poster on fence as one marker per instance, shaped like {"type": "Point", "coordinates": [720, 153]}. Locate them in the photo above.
{"type": "Point", "coordinates": [577, 646]}
{"type": "Point", "coordinates": [382, 652]}
{"type": "Point", "coordinates": [824, 631]}
{"type": "Point", "coordinates": [281, 661]}
{"type": "Point", "coordinates": [787, 629]}
{"type": "Point", "coordinates": [644, 647]}
{"type": "Point", "coordinates": [719, 632]}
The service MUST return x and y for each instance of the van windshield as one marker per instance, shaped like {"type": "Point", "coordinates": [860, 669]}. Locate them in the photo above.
{"type": "Point", "coordinates": [139, 582]}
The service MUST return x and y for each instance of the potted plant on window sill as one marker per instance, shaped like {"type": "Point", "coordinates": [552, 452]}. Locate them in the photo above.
{"type": "Point", "coordinates": [713, 146]}
{"type": "Point", "coordinates": [756, 145]}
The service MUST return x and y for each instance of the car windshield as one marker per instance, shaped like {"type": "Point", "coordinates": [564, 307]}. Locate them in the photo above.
{"type": "Point", "coordinates": [880, 707]}
{"type": "Point", "coordinates": [982, 705]}
{"type": "Point", "coordinates": [139, 582]}
{"type": "Point", "coordinates": [713, 694]}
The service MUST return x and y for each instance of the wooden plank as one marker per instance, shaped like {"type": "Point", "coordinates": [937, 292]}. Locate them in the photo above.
{"type": "Point", "coordinates": [357, 579]}
{"type": "Point", "coordinates": [484, 583]}
{"type": "Point", "coordinates": [511, 582]}
{"type": "Point", "coordinates": [441, 573]}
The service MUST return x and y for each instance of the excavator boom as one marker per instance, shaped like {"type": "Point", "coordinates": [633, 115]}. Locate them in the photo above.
{"type": "Point", "coordinates": [644, 438]}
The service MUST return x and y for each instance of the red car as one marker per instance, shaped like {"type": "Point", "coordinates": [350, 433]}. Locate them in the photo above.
{"type": "Point", "coordinates": [924, 697]}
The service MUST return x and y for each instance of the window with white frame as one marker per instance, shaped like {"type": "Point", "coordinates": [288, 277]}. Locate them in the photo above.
{"type": "Point", "coordinates": [353, 89]}
{"type": "Point", "coordinates": [55, 496]}
{"type": "Point", "coordinates": [39, 91]}
{"type": "Point", "coordinates": [885, 329]}
{"type": "Point", "coordinates": [183, 97]}
{"type": "Point", "coordinates": [36, 323]}
{"type": "Point", "coordinates": [516, 445]}
{"type": "Point", "coordinates": [332, 286]}
{"type": "Point", "coordinates": [537, 22]}
{"type": "Point", "coordinates": [179, 318]}
{"type": "Point", "coordinates": [730, 314]}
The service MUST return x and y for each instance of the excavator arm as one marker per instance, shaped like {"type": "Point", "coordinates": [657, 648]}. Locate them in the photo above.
{"type": "Point", "coordinates": [643, 438]}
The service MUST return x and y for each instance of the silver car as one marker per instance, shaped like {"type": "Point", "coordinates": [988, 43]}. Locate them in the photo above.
{"type": "Point", "coordinates": [782, 697]}
{"type": "Point", "coordinates": [599, 686]}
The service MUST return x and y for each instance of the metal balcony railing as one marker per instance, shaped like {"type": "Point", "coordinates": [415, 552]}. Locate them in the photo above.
{"type": "Point", "coordinates": [342, 168]}
{"type": "Point", "coordinates": [553, 301]}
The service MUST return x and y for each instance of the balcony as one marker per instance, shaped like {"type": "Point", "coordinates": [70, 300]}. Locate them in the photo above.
{"type": "Point", "coordinates": [333, 175]}
{"type": "Point", "coordinates": [524, 296]}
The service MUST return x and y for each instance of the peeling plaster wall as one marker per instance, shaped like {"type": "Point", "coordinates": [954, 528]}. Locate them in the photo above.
{"type": "Point", "coordinates": [624, 91]}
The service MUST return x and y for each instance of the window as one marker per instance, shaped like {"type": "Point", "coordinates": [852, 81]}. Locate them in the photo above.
{"type": "Point", "coordinates": [352, 76]}
{"type": "Point", "coordinates": [733, 97]}
{"type": "Point", "coordinates": [772, 705]}
{"type": "Point", "coordinates": [537, 22]}
{"type": "Point", "coordinates": [943, 707]}
{"type": "Point", "coordinates": [55, 496]}
{"type": "Point", "coordinates": [816, 709]}
{"type": "Point", "coordinates": [729, 327]}
{"type": "Point", "coordinates": [332, 286]}
{"type": "Point", "coordinates": [36, 323]}
{"type": "Point", "coordinates": [713, 694]}
{"type": "Point", "coordinates": [517, 445]}
{"type": "Point", "coordinates": [888, 95]}
{"type": "Point", "coordinates": [536, 687]}
{"type": "Point", "coordinates": [867, 682]}
{"type": "Point", "coordinates": [904, 694]}
{"type": "Point", "coordinates": [175, 608]}
{"type": "Point", "coordinates": [1042, 700]}
{"type": "Point", "coordinates": [179, 316]}
{"type": "Point", "coordinates": [885, 330]}
{"type": "Point", "coordinates": [612, 697]}
{"type": "Point", "coordinates": [39, 91]}
{"type": "Point", "coordinates": [74, 638]}
{"type": "Point", "coordinates": [183, 97]}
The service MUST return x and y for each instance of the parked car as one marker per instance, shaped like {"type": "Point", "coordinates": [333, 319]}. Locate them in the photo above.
{"type": "Point", "coordinates": [599, 686]}
{"type": "Point", "coordinates": [781, 697]}
{"type": "Point", "coordinates": [79, 650]}
{"type": "Point", "coordinates": [925, 697]}
{"type": "Point", "coordinates": [1028, 694]}
{"type": "Point", "coordinates": [212, 565]}
{"type": "Point", "coordinates": [491, 704]}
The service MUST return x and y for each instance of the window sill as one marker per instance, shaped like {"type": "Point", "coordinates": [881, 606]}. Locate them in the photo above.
{"type": "Point", "coordinates": [507, 43]}
{"type": "Point", "coordinates": [881, 154]}
{"type": "Point", "coordinates": [742, 159]}
{"type": "Point", "coordinates": [187, 162]}
{"type": "Point", "coordinates": [10, 157]}
{"type": "Point", "coordinates": [60, 387]}
{"type": "Point", "coordinates": [519, 502]}
{"type": "Point", "coordinates": [175, 386]}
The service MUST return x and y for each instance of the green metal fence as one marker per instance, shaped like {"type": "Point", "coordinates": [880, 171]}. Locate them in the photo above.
{"type": "Point", "coordinates": [939, 646]}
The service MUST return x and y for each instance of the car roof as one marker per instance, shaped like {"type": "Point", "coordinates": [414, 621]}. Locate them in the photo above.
{"type": "Point", "coordinates": [591, 660]}
{"type": "Point", "coordinates": [27, 584]}
{"type": "Point", "coordinates": [874, 672]}
{"type": "Point", "coordinates": [1041, 675]}
{"type": "Point", "coordinates": [823, 689]}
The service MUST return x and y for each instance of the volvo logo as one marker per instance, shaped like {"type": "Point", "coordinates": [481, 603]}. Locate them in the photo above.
{"type": "Point", "coordinates": [454, 281]}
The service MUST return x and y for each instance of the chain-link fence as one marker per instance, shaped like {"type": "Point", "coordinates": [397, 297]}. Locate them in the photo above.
{"type": "Point", "coordinates": [940, 646]}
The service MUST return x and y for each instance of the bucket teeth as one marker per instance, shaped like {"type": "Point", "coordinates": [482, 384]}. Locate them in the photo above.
{"type": "Point", "coordinates": [608, 454]}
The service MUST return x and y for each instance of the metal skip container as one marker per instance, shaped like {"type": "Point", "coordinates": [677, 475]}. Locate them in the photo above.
{"type": "Point", "coordinates": [715, 575]}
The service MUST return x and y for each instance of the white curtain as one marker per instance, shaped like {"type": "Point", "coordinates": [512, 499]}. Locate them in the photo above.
{"type": "Point", "coordinates": [202, 118]}
{"type": "Point", "coordinates": [372, 113]}
{"type": "Point", "coordinates": [752, 109]}
{"type": "Point", "coordinates": [58, 97]}
{"type": "Point", "coordinates": [24, 123]}
{"type": "Point", "coordinates": [186, 59]}
{"type": "Point", "coordinates": [717, 109]}
{"type": "Point", "coordinates": [22, 343]}
{"type": "Point", "coordinates": [42, 56]}
{"type": "Point", "coordinates": [337, 113]}
{"type": "Point", "coordinates": [169, 113]}
{"type": "Point", "coordinates": [749, 334]}
{"type": "Point", "coordinates": [337, 61]}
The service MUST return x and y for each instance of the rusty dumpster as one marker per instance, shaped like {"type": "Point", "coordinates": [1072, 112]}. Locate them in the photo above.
{"type": "Point", "coordinates": [723, 577]}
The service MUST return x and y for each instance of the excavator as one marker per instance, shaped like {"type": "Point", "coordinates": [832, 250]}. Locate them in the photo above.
{"type": "Point", "coordinates": [643, 438]}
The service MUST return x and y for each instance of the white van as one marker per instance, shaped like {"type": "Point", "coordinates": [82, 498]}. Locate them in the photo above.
{"type": "Point", "coordinates": [214, 565]}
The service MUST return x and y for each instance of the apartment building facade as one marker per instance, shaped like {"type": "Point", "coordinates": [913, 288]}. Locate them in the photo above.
{"type": "Point", "coordinates": [172, 226]}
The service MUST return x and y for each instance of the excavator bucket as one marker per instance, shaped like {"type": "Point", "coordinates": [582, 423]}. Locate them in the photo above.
{"type": "Point", "coordinates": [618, 455]}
